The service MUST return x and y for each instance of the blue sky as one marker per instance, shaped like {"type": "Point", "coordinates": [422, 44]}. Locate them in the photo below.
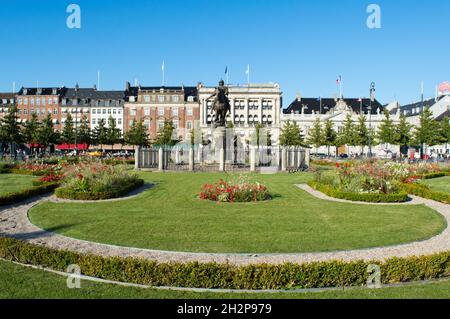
{"type": "Point", "coordinates": [303, 45]}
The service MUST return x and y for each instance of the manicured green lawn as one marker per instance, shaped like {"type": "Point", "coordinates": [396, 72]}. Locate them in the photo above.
{"type": "Point", "coordinates": [21, 282]}
{"type": "Point", "coordinates": [439, 184]}
{"type": "Point", "coordinates": [13, 183]}
{"type": "Point", "coordinates": [171, 217]}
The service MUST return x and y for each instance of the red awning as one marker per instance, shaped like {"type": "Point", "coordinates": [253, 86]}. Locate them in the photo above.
{"type": "Point", "coordinates": [69, 147]}
{"type": "Point", "coordinates": [36, 145]}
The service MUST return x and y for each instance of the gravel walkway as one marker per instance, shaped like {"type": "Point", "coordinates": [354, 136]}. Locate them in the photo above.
{"type": "Point", "coordinates": [14, 223]}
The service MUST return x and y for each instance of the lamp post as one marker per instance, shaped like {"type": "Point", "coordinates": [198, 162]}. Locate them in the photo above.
{"type": "Point", "coordinates": [372, 98]}
{"type": "Point", "coordinates": [77, 88]}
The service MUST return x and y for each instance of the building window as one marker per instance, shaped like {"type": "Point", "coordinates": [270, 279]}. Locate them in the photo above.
{"type": "Point", "coordinates": [160, 111]}
{"type": "Point", "coordinates": [133, 112]}
{"type": "Point", "coordinates": [104, 111]}
{"type": "Point", "coordinates": [175, 111]}
{"type": "Point", "coordinates": [25, 101]}
{"type": "Point", "coordinates": [109, 111]}
{"type": "Point", "coordinates": [189, 111]}
{"type": "Point", "coordinates": [161, 98]}
{"type": "Point", "coordinates": [130, 123]}
{"type": "Point", "coordinates": [146, 124]}
{"type": "Point", "coordinates": [160, 125]}
{"type": "Point", "coordinates": [38, 101]}
{"type": "Point", "coordinates": [190, 99]}
{"type": "Point", "coordinates": [55, 111]}
{"type": "Point", "coordinates": [189, 125]}
{"type": "Point", "coordinates": [119, 111]}
{"type": "Point", "coordinates": [93, 122]}
{"type": "Point", "coordinates": [93, 111]}
{"type": "Point", "coordinates": [114, 111]}
{"type": "Point", "coordinates": [55, 100]}
{"type": "Point", "coordinates": [50, 101]}
{"type": "Point", "coordinates": [175, 124]}
{"type": "Point", "coordinates": [25, 111]}
{"type": "Point", "coordinates": [147, 111]}
{"type": "Point", "coordinates": [147, 98]}
{"type": "Point", "coordinates": [175, 99]}
{"type": "Point", "coordinates": [119, 121]}
{"type": "Point", "coordinates": [20, 101]}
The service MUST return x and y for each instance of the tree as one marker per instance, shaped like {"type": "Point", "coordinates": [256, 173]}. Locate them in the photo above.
{"type": "Point", "coordinates": [10, 129]}
{"type": "Point", "coordinates": [426, 134]}
{"type": "Point", "coordinates": [291, 135]}
{"type": "Point", "coordinates": [113, 133]}
{"type": "Point", "coordinates": [362, 133]}
{"type": "Point", "coordinates": [403, 133]}
{"type": "Point", "coordinates": [329, 135]}
{"type": "Point", "coordinates": [99, 135]}
{"type": "Point", "coordinates": [256, 137]}
{"type": "Point", "coordinates": [444, 132]}
{"type": "Point", "coordinates": [29, 129]}
{"type": "Point", "coordinates": [84, 132]}
{"type": "Point", "coordinates": [386, 132]}
{"type": "Point", "coordinates": [46, 134]}
{"type": "Point", "coordinates": [316, 137]}
{"type": "Point", "coordinates": [348, 136]}
{"type": "Point", "coordinates": [165, 135]}
{"type": "Point", "coordinates": [68, 132]}
{"type": "Point", "coordinates": [137, 135]}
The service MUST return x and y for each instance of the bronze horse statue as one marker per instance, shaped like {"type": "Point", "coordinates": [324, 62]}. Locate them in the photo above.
{"type": "Point", "coordinates": [221, 105]}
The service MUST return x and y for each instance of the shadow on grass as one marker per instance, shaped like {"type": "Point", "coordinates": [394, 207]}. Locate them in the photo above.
{"type": "Point", "coordinates": [38, 234]}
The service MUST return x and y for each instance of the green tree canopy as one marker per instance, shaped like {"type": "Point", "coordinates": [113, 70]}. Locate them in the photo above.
{"type": "Point", "coordinates": [362, 133]}
{"type": "Point", "coordinates": [316, 137]}
{"type": "Point", "coordinates": [403, 134]}
{"type": "Point", "coordinates": [84, 132]}
{"type": "Point", "coordinates": [68, 132]}
{"type": "Point", "coordinates": [291, 135]}
{"type": "Point", "coordinates": [99, 136]}
{"type": "Point", "coordinates": [386, 131]}
{"type": "Point", "coordinates": [46, 134]}
{"type": "Point", "coordinates": [137, 135]}
{"type": "Point", "coordinates": [10, 128]}
{"type": "Point", "coordinates": [166, 135]}
{"type": "Point", "coordinates": [113, 133]}
{"type": "Point", "coordinates": [29, 129]}
{"type": "Point", "coordinates": [444, 131]}
{"type": "Point", "coordinates": [348, 136]}
{"type": "Point", "coordinates": [329, 135]}
{"type": "Point", "coordinates": [426, 133]}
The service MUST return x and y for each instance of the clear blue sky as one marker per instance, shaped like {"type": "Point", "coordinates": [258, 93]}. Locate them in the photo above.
{"type": "Point", "coordinates": [303, 45]}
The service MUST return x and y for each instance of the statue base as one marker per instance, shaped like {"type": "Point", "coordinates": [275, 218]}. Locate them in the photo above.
{"type": "Point", "coordinates": [219, 146]}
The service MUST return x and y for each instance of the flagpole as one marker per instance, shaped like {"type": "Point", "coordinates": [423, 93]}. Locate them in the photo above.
{"type": "Point", "coordinates": [163, 73]}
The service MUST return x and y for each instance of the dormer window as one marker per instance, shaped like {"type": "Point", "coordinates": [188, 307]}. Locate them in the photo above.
{"type": "Point", "coordinates": [54, 91]}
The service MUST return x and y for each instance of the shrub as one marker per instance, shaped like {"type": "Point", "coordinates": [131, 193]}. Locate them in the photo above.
{"type": "Point", "coordinates": [12, 198]}
{"type": "Point", "coordinates": [329, 190]}
{"type": "Point", "coordinates": [238, 191]}
{"type": "Point", "coordinates": [425, 192]}
{"type": "Point", "coordinates": [117, 191]}
{"type": "Point", "coordinates": [226, 276]}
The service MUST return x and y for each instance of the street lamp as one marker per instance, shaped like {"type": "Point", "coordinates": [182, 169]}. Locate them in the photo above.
{"type": "Point", "coordinates": [372, 99]}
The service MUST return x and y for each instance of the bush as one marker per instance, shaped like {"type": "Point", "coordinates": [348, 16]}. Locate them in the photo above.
{"type": "Point", "coordinates": [119, 191]}
{"type": "Point", "coordinates": [360, 197]}
{"type": "Point", "coordinates": [425, 192]}
{"type": "Point", "coordinates": [12, 198]}
{"type": "Point", "coordinates": [435, 175]}
{"type": "Point", "coordinates": [226, 276]}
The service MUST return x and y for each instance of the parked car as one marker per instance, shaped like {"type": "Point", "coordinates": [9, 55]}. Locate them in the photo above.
{"type": "Point", "coordinates": [343, 156]}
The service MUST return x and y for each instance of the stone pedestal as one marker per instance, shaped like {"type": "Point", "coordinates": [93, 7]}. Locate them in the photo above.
{"type": "Point", "coordinates": [137, 158]}
{"type": "Point", "coordinates": [219, 146]}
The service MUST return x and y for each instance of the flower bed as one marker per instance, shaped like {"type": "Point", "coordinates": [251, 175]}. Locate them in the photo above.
{"type": "Point", "coordinates": [238, 191]}
{"type": "Point", "coordinates": [97, 182]}
{"type": "Point", "coordinates": [226, 276]}
{"type": "Point", "coordinates": [328, 190]}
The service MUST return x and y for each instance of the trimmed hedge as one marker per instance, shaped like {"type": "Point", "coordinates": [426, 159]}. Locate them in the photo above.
{"type": "Point", "coordinates": [435, 175]}
{"type": "Point", "coordinates": [425, 192]}
{"type": "Point", "coordinates": [356, 197]}
{"type": "Point", "coordinates": [12, 198]}
{"type": "Point", "coordinates": [226, 276]}
{"type": "Point", "coordinates": [67, 193]}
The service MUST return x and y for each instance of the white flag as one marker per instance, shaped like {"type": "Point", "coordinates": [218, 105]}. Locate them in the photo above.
{"type": "Point", "coordinates": [248, 69]}
{"type": "Point", "coordinates": [162, 67]}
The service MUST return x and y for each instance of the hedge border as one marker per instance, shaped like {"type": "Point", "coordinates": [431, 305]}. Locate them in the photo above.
{"type": "Point", "coordinates": [425, 192]}
{"type": "Point", "coordinates": [15, 197]}
{"type": "Point", "coordinates": [66, 193]}
{"type": "Point", "coordinates": [355, 197]}
{"type": "Point", "coordinates": [226, 276]}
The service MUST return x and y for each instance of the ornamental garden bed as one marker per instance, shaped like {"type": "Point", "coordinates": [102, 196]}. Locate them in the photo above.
{"type": "Point", "coordinates": [237, 190]}
{"type": "Point", "coordinates": [15, 197]}
{"type": "Point", "coordinates": [97, 182]}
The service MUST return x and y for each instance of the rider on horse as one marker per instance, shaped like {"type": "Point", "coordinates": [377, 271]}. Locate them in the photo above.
{"type": "Point", "coordinates": [221, 104]}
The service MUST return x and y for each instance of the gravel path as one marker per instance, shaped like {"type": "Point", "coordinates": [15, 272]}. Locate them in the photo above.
{"type": "Point", "coordinates": [14, 223]}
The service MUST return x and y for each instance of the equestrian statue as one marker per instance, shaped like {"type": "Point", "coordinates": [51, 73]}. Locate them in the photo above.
{"type": "Point", "coordinates": [221, 105]}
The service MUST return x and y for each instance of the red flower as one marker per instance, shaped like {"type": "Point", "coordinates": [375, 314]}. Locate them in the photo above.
{"type": "Point", "coordinates": [337, 165]}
